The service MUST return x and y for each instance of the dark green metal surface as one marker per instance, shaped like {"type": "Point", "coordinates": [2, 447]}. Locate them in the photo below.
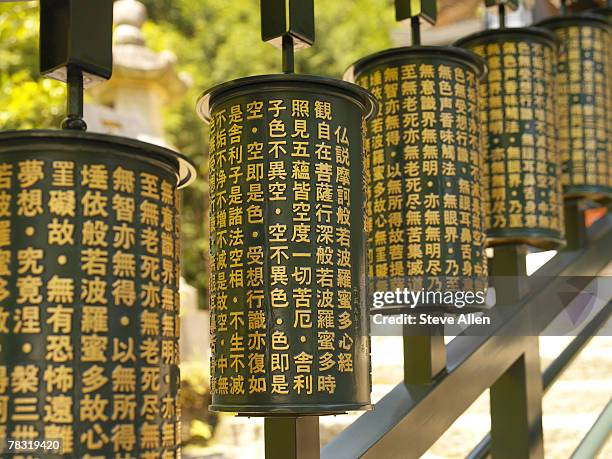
{"type": "Point", "coordinates": [584, 104]}
{"type": "Point", "coordinates": [523, 194]}
{"type": "Point", "coordinates": [76, 33]}
{"type": "Point", "coordinates": [423, 166]}
{"type": "Point", "coordinates": [426, 9]}
{"type": "Point", "coordinates": [293, 18]}
{"type": "Point", "coordinates": [605, 11]}
{"type": "Point", "coordinates": [89, 279]}
{"type": "Point", "coordinates": [288, 305]}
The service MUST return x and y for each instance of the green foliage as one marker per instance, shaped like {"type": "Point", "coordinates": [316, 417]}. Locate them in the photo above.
{"type": "Point", "coordinates": [26, 100]}
{"type": "Point", "coordinates": [214, 41]}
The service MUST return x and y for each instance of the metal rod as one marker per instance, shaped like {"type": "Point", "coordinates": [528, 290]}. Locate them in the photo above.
{"type": "Point", "coordinates": [415, 24]}
{"type": "Point", "coordinates": [288, 54]}
{"type": "Point", "coordinates": [596, 437]}
{"type": "Point", "coordinates": [74, 102]}
{"type": "Point", "coordinates": [502, 16]}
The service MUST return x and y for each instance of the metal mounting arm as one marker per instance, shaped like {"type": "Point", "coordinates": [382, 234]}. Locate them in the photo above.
{"type": "Point", "coordinates": [76, 48]}
{"type": "Point", "coordinates": [502, 4]}
{"type": "Point", "coordinates": [415, 10]}
{"type": "Point", "coordinates": [289, 25]}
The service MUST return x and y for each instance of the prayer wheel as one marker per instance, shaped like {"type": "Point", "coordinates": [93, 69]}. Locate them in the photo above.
{"type": "Point", "coordinates": [288, 253]}
{"type": "Point", "coordinates": [423, 169]}
{"type": "Point", "coordinates": [522, 173]}
{"type": "Point", "coordinates": [584, 104]}
{"type": "Point", "coordinates": [89, 301]}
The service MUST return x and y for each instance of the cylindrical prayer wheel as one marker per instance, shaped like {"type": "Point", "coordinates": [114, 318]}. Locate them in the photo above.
{"type": "Point", "coordinates": [584, 104]}
{"type": "Point", "coordinates": [288, 306]}
{"type": "Point", "coordinates": [522, 173]}
{"type": "Point", "coordinates": [423, 169]}
{"type": "Point", "coordinates": [89, 302]}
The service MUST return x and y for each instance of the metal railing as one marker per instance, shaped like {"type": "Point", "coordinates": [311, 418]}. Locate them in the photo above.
{"type": "Point", "coordinates": [441, 382]}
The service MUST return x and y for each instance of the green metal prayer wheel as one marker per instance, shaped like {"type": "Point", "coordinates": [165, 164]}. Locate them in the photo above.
{"type": "Point", "coordinates": [89, 301]}
{"type": "Point", "coordinates": [423, 168]}
{"type": "Point", "coordinates": [522, 173]}
{"type": "Point", "coordinates": [288, 257]}
{"type": "Point", "coordinates": [584, 104]}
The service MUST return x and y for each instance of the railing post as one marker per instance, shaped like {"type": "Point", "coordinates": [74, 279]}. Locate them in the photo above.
{"type": "Point", "coordinates": [575, 224]}
{"type": "Point", "coordinates": [424, 356]}
{"type": "Point", "coordinates": [292, 437]}
{"type": "Point", "coordinates": [516, 397]}
{"type": "Point", "coordinates": [516, 408]}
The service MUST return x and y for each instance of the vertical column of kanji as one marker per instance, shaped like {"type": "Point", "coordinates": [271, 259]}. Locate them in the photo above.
{"type": "Point", "coordinates": [602, 106]}
{"type": "Point", "coordinates": [348, 330]}
{"type": "Point", "coordinates": [6, 269]}
{"type": "Point", "coordinates": [377, 238]}
{"type": "Point", "coordinates": [239, 341]}
{"type": "Point", "coordinates": [555, 171]}
{"type": "Point", "coordinates": [156, 354]}
{"type": "Point", "coordinates": [579, 110]}
{"type": "Point", "coordinates": [452, 124]}
{"type": "Point", "coordinates": [92, 340]}
{"type": "Point", "coordinates": [493, 124]}
{"type": "Point", "coordinates": [395, 243]}
{"type": "Point", "coordinates": [276, 231]}
{"type": "Point", "coordinates": [220, 237]}
{"type": "Point", "coordinates": [26, 377]}
{"type": "Point", "coordinates": [565, 128]}
{"type": "Point", "coordinates": [534, 161]}
{"type": "Point", "coordinates": [606, 103]}
{"type": "Point", "coordinates": [169, 237]}
{"type": "Point", "coordinates": [124, 374]}
{"type": "Point", "coordinates": [588, 36]}
{"type": "Point", "coordinates": [302, 174]}
{"type": "Point", "coordinates": [257, 319]}
{"type": "Point", "coordinates": [452, 148]}
{"type": "Point", "coordinates": [172, 419]}
{"type": "Point", "coordinates": [433, 164]}
{"type": "Point", "coordinates": [411, 133]}
{"type": "Point", "coordinates": [476, 273]}
{"type": "Point", "coordinates": [515, 160]}
{"type": "Point", "coordinates": [214, 255]}
{"type": "Point", "coordinates": [62, 301]}
{"type": "Point", "coordinates": [328, 239]}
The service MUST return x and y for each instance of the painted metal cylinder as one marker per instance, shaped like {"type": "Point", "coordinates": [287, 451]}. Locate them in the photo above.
{"type": "Point", "coordinates": [288, 306]}
{"type": "Point", "coordinates": [89, 278]}
{"type": "Point", "coordinates": [423, 166]}
{"type": "Point", "coordinates": [522, 173]}
{"type": "Point", "coordinates": [584, 104]}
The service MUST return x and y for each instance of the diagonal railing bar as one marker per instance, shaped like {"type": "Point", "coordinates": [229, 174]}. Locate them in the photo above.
{"type": "Point", "coordinates": [556, 368]}
{"type": "Point", "coordinates": [596, 437]}
{"type": "Point", "coordinates": [389, 431]}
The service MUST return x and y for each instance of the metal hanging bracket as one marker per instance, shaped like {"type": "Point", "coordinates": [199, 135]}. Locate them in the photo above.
{"type": "Point", "coordinates": [502, 4]}
{"type": "Point", "coordinates": [289, 25]}
{"type": "Point", "coordinates": [408, 9]}
{"type": "Point", "coordinates": [512, 4]}
{"type": "Point", "coordinates": [76, 39]}
{"type": "Point", "coordinates": [415, 10]}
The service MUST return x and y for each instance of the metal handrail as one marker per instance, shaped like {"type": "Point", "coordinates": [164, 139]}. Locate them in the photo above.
{"type": "Point", "coordinates": [390, 429]}
{"type": "Point", "coordinates": [555, 369]}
